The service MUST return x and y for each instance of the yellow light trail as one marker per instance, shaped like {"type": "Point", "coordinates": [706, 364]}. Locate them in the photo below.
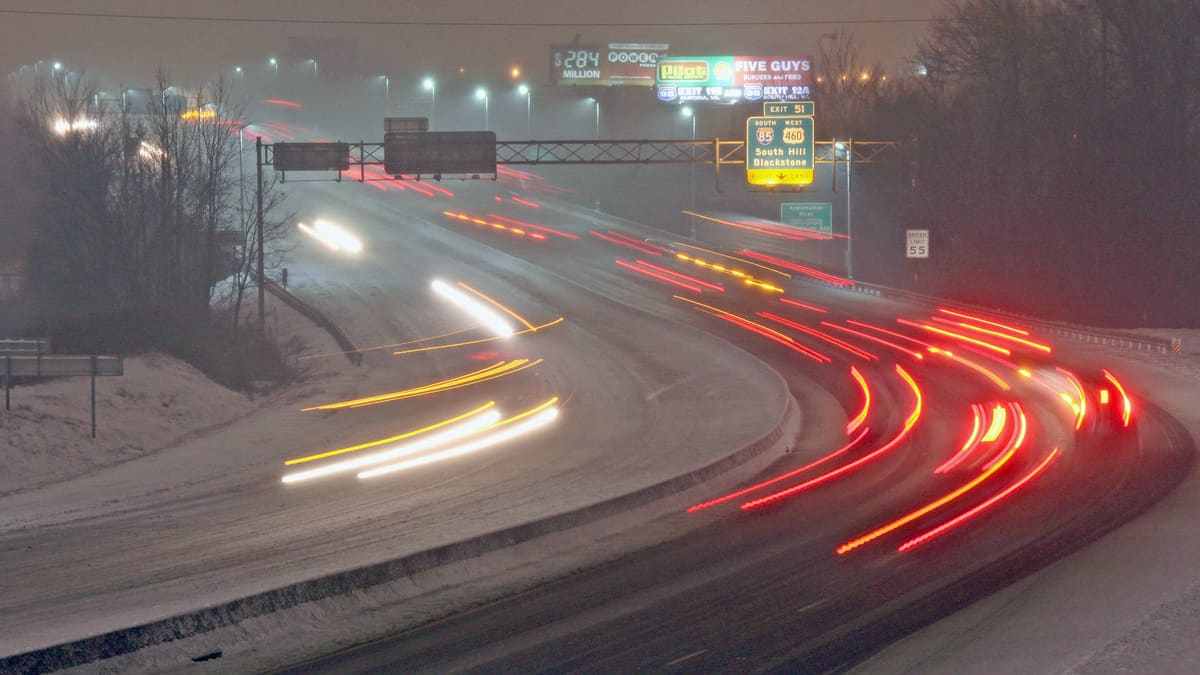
{"type": "Point", "coordinates": [396, 344]}
{"type": "Point", "coordinates": [733, 257]}
{"type": "Point", "coordinates": [491, 372]}
{"type": "Point", "coordinates": [392, 439]}
{"type": "Point", "coordinates": [936, 504]}
{"type": "Point", "coordinates": [506, 310]}
{"type": "Point", "coordinates": [468, 427]}
{"type": "Point", "coordinates": [746, 278]}
{"type": "Point", "coordinates": [533, 419]}
{"type": "Point", "coordinates": [479, 341]}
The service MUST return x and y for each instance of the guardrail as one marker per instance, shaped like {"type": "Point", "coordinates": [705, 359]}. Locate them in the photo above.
{"type": "Point", "coordinates": [1087, 335]}
{"type": "Point", "coordinates": [313, 314]}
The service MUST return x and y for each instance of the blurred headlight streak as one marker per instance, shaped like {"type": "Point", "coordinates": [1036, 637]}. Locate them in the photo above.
{"type": "Point", "coordinates": [916, 355]}
{"type": "Point", "coordinates": [820, 336]}
{"type": "Point", "coordinates": [479, 341]}
{"type": "Point", "coordinates": [483, 315]}
{"type": "Point", "coordinates": [1126, 405]}
{"type": "Point", "coordinates": [746, 278]}
{"type": "Point", "coordinates": [976, 319]}
{"type": "Point", "coordinates": [499, 306]}
{"type": "Point", "coordinates": [1080, 408]}
{"type": "Point", "coordinates": [885, 331]}
{"type": "Point", "coordinates": [978, 412]}
{"type": "Point", "coordinates": [931, 506]}
{"type": "Point", "coordinates": [755, 327]}
{"type": "Point", "coordinates": [635, 245]}
{"type": "Point", "coordinates": [495, 226]}
{"type": "Point", "coordinates": [776, 479]}
{"type": "Point", "coordinates": [999, 420]}
{"type": "Point", "coordinates": [392, 439]}
{"type": "Point", "coordinates": [532, 423]}
{"type": "Point", "coordinates": [473, 425]}
{"type": "Point", "coordinates": [737, 259]}
{"type": "Point", "coordinates": [674, 282]}
{"type": "Point", "coordinates": [980, 508]}
{"type": "Point", "coordinates": [388, 346]}
{"type": "Point", "coordinates": [532, 226]}
{"type": "Point", "coordinates": [993, 377]}
{"type": "Point", "coordinates": [995, 333]}
{"type": "Point", "coordinates": [789, 265]}
{"type": "Point", "coordinates": [846, 468]}
{"type": "Point", "coordinates": [1017, 438]}
{"type": "Point", "coordinates": [866, 407]}
{"type": "Point", "coordinates": [679, 275]}
{"type": "Point", "coordinates": [492, 372]}
{"type": "Point", "coordinates": [526, 202]}
{"type": "Point", "coordinates": [957, 336]}
{"type": "Point", "coordinates": [813, 308]}
{"type": "Point", "coordinates": [62, 126]}
{"type": "Point", "coordinates": [798, 235]}
{"type": "Point", "coordinates": [332, 236]}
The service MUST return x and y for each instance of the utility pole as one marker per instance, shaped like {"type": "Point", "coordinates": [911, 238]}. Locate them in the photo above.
{"type": "Point", "coordinates": [262, 300]}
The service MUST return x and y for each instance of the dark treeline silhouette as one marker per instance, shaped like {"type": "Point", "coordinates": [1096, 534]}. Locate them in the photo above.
{"type": "Point", "coordinates": [140, 235]}
{"type": "Point", "coordinates": [1057, 157]}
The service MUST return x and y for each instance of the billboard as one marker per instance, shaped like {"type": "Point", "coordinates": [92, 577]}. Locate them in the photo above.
{"type": "Point", "coordinates": [616, 63]}
{"type": "Point", "coordinates": [729, 79]}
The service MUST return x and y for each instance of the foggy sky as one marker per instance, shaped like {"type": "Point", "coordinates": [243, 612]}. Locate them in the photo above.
{"type": "Point", "coordinates": [133, 49]}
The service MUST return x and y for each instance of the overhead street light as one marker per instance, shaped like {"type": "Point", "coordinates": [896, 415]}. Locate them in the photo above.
{"type": "Point", "coordinates": [430, 85]}
{"type": "Point", "coordinates": [528, 93]}
{"type": "Point", "coordinates": [387, 95]}
{"type": "Point", "coordinates": [481, 94]}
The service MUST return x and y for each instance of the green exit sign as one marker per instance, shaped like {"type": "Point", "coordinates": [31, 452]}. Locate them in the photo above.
{"type": "Point", "coordinates": [808, 215]}
{"type": "Point", "coordinates": [774, 108]}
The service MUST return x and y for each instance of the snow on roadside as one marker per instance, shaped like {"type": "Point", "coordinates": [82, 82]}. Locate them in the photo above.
{"type": "Point", "coordinates": [160, 400]}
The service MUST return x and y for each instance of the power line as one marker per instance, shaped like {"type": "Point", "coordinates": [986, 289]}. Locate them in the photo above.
{"type": "Point", "coordinates": [461, 24]}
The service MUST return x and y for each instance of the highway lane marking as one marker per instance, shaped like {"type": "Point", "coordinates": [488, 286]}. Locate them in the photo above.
{"type": "Point", "coordinates": [683, 658]}
{"type": "Point", "coordinates": [811, 605]}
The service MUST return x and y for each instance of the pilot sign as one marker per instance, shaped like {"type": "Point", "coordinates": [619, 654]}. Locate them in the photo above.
{"type": "Point", "coordinates": [779, 150]}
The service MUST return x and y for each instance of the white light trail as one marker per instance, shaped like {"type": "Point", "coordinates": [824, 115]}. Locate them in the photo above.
{"type": "Point", "coordinates": [344, 239]}
{"type": "Point", "coordinates": [537, 421]}
{"type": "Point", "coordinates": [471, 426]}
{"type": "Point", "coordinates": [332, 236]}
{"type": "Point", "coordinates": [480, 313]}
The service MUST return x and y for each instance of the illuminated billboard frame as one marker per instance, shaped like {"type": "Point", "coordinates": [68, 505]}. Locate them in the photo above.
{"type": "Point", "coordinates": [730, 79]}
{"type": "Point", "coordinates": [619, 63]}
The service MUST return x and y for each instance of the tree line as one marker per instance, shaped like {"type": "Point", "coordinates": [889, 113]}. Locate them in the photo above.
{"type": "Point", "coordinates": [143, 226]}
{"type": "Point", "coordinates": [1054, 149]}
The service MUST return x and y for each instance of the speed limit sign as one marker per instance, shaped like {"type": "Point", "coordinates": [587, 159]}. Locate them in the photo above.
{"type": "Point", "coordinates": [917, 244]}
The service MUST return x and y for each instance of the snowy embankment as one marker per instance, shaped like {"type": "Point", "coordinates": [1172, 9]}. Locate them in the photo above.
{"type": "Point", "coordinates": [160, 401]}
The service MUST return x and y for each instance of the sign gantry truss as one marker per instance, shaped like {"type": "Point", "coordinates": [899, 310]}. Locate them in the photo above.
{"type": "Point", "coordinates": [714, 151]}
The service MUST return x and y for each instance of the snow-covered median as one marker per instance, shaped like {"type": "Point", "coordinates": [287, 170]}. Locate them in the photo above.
{"type": "Point", "coordinates": [160, 400]}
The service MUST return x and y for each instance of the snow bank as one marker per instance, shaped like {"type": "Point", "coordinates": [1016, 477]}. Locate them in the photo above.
{"type": "Point", "coordinates": [160, 401]}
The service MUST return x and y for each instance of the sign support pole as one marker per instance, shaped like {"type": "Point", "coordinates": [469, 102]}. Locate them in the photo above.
{"type": "Point", "coordinates": [7, 381]}
{"type": "Point", "coordinates": [262, 300]}
{"type": "Point", "coordinates": [849, 221]}
{"type": "Point", "coordinates": [93, 396]}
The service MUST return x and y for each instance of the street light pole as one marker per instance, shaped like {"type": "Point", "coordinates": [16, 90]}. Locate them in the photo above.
{"type": "Point", "coordinates": [431, 85]}
{"type": "Point", "coordinates": [524, 89]}
{"type": "Point", "coordinates": [688, 112]}
{"type": "Point", "coordinates": [597, 169]}
{"type": "Point", "coordinates": [482, 95]}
